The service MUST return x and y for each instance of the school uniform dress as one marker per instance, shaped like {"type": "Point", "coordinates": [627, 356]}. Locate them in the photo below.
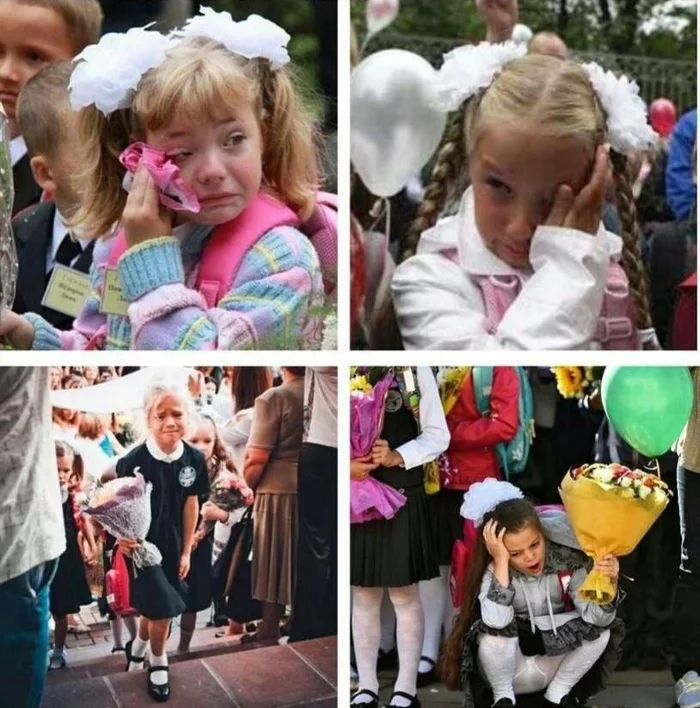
{"type": "Point", "coordinates": [69, 588]}
{"type": "Point", "coordinates": [401, 551]}
{"type": "Point", "coordinates": [156, 591]}
{"type": "Point", "coordinates": [199, 579]}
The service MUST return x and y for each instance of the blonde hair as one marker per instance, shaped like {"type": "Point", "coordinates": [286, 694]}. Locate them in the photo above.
{"type": "Point", "coordinates": [557, 97]}
{"type": "Point", "coordinates": [44, 114]}
{"type": "Point", "coordinates": [83, 18]}
{"type": "Point", "coordinates": [160, 389]}
{"type": "Point", "coordinates": [200, 80]}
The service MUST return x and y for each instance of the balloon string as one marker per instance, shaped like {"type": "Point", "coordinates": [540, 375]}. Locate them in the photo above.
{"type": "Point", "coordinates": [382, 207]}
{"type": "Point", "coordinates": [365, 42]}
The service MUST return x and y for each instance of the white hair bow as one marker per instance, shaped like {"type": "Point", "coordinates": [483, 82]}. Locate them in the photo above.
{"type": "Point", "coordinates": [485, 496]}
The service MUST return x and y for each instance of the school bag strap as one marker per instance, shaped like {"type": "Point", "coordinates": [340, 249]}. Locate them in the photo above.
{"type": "Point", "coordinates": [322, 229]}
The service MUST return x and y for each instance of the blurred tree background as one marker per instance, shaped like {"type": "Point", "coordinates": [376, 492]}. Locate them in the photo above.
{"type": "Point", "coordinates": [666, 30]}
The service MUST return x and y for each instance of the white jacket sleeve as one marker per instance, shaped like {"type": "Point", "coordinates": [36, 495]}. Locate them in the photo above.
{"type": "Point", "coordinates": [434, 437]}
{"type": "Point", "coordinates": [496, 602]}
{"type": "Point", "coordinates": [439, 307]}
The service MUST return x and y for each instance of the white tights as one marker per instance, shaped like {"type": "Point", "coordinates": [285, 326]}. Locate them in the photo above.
{"type": "Point", "coordinates": [439, 614]}
{"type": "Point", "coordinates": [366, 635]}
{"type": "Point", "coordinates": [509, 673]}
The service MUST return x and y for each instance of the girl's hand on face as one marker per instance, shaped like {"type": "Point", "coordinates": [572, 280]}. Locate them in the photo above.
{"type": "Point", "coordinates": [609, 566]}
{"type": "Point", "coordinates": [584, 211]}
{"type": "Point", "coordinates": [18, 332]}
{"type": "Point", "coordinates": [493, 538]}
{"type": "Point", "coordinates": [384, 456]}
{"type": "Point", "coordinates": [144, 217]}
{"type": "Point", "coordinates": [361, 467]}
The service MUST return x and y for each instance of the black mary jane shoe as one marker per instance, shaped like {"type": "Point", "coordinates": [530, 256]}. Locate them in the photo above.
{"type": "Point", "coordinates": [374, 703]}
{"type": "Point", "coordinates": [158, 693]}
{"type": "Point", "coordinates": [427, 678]}
{"type": "Point", "coordinates": [415, 703]}
{"type": "Point", "coordinates": [130, 658]}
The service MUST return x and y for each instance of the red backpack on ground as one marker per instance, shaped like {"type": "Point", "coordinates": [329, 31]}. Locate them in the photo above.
{"type": "Point", "coordinates": [117, 586]}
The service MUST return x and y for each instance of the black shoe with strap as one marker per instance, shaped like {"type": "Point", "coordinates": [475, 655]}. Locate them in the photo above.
{"type": "Point", "coordinates": [159, 693]}
{"type": "Point", "coordinates": [374, 703]}
{"type": "Point", "coordinates": [130, 658]}
{"type": "Point", "coordinates": [426, 678]}
{"type": "Point", "coordinates": [415, 703]}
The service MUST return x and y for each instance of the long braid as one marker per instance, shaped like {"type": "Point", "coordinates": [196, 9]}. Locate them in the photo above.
{"type": "Point", "coordinates": [451, 161]}
{"type": "Point", "coordinates": [631, 239]}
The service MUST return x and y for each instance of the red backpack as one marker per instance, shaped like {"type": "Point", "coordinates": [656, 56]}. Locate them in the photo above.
{"type": "Point", "coordinates": [117, 586]}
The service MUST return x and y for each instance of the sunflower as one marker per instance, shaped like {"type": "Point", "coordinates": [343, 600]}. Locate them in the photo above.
{"type": "Point", "coordinates": [571, 381]}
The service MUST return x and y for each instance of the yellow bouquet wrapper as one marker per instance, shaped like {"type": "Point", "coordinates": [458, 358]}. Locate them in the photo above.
{"type": "Point", "coordinates": [607, 518]}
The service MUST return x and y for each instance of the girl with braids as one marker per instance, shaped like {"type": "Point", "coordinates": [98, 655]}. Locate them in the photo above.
{"type": "Point", "coordinates": [209, 120]}
{"type": "Point", "coordinates": [526, 263]}
{"type": "Point", "coordinates": [522, 629]}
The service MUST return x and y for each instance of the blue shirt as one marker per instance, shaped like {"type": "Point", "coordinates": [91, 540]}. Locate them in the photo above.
{"type": "Point", "coordinates": [680, 186]}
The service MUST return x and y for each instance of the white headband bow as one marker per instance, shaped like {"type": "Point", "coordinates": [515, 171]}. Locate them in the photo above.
{"type": "Point", "coordinates": [107, 73]}
{"type": "Point", "coordinates": [466, 70]}
{"type": "Point", "coordinates": [485, 496]}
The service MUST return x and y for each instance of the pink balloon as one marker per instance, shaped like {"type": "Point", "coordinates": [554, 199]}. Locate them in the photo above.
{"type": "Point", "coordinates": [662, 116]}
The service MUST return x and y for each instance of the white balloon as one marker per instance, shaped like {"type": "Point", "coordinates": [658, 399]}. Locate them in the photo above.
{"type": "Point", "coordinates": [522, 34]}
{"type": "Point", "coordinates": [380, 14]}
{"type": "Point", "coordinates": [394, 127]}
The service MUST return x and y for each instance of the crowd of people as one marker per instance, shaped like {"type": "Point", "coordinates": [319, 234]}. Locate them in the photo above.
{"type": "Point", "coordinates": [236, 459]}
{"type": "Point", "coordinates": [220, 237]}
{"type": "Point", "coordinates": [513, 629]}
{"type": "Point", "coordinates": [517, 242]}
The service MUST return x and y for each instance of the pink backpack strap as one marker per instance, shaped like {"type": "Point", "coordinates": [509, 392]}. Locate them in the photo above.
{"type": "Point", "coordinates": [564, 578]}
{"type": "Point", "coordinates": [322, 229]}
{"type": "Point", "coordinates": [118, 249]}
{"type": "Point", "coordinates": [227, 246]}
{"type": "Point", "coordinates": [616, 329]}
{"type": "Point", "coordinates": [499, 293]}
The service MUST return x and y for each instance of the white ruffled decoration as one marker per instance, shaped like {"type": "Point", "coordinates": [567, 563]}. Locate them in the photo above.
{"type": "Point", "coordinates": [107, 73]}
{"type": "Point", "coordinates": [626, 111]}
{"type": "Point", "coordinates": [468, 69]}
{"type": "Point", "coordinates": [485, 496]}
{"type": "Point", "coordinates": [254, 37]}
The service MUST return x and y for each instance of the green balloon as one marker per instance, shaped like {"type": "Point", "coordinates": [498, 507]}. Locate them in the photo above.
{"type": "Point", "coordinates": [648, 405]}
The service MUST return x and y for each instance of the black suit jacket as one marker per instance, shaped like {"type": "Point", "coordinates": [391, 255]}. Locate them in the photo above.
{"type": "Point", "coordinates": [33, 230]}
{"type": "Point", "coordinates": [27, 191]}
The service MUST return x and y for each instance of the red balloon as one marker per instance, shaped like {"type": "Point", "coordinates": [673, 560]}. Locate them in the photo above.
{"type": "Point", "coordinates": [662, 116]}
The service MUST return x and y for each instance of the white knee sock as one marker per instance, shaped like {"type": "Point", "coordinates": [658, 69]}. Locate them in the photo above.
{"type": "Point", "coordinates": [387, 640]}
{"type": "Point", "coordinates": [138, 648]}
{"type": "Point", "coordinates": [574, 666]}
{"type": "Point", "coordinates": [433, 598]}
{"type": "Point", "coordinates": [497, 656]}
{"type": "Point", "coordinates": [159, 678]}
{"type": "Point", "coordinates": [409, 638]}
{"type": "Point", "coordinates": [366, 604]}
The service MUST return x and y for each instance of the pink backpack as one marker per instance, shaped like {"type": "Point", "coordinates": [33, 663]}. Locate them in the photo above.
{"type": "Point", "coordinates": [227, 246]}
{"type": "Point", "coordinates": [117, 587]}
{"type": "Point", "coordinates": [616, 328]}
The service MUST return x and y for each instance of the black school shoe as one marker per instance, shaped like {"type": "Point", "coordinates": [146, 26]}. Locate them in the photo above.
{"type": "Point", "coordinates": [374, 703]}
{"type": "Point", "coordinates": [568, 701]}
{"type": "Point", "coordinates": [159, 693]}
{"type": "Point", "coordinates": [415, 703]}
{"type": "Point", "coordinates": [427, 678]}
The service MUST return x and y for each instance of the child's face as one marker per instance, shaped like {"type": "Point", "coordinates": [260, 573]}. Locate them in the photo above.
{"type": "Point", "coordinates": [203, 439]}
{"type": "Point", "coordinates": [91, 373]}
{"type": "Point", "coordinates": [55, 375]}
{"type": "Point", "coordinates": [526, 549]}
{"type": "Point", "coordinates": [220, 161]}
{"type": "Point", "coordinates": [167, 422]}
{"type": "Point", "coordinates": [65, 469]}
{"type": "Point", "coordinates": [515, 174]}
{"type": "Point", "coordinates": [30, 38]}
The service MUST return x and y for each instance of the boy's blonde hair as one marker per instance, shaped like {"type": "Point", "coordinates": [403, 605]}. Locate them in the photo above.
{"type": "Point", "coordinates": [557, 99]}
{"type": "Point", "coordinates": [44, 112]}
{"type": "Point", "coordinates": [200, 80]}
{"type": "Point", "coordinates": [83, 18]}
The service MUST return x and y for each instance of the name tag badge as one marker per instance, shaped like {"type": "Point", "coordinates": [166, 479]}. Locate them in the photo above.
{"type": "Point", "coordinates": [67, 290]}
{"type": "Point", "coordinates": [113, 300]}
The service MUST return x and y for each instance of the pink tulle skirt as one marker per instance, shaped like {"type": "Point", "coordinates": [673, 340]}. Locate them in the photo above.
{"type": "Point", "coordinates": [371, 500]}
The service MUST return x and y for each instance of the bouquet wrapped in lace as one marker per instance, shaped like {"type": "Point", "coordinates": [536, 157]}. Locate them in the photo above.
{"type": "Point", "coordinates": [369, 498]}
{"type": "Point", "coordinates": [8, 255]}
{"type": "Point", "coordinates": [610, 507]}
{"type": "Point", "coordinates": [123, 508]}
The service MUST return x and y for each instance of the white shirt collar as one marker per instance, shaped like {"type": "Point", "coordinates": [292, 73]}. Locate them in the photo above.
{"type": "Point", "coordinates": [59, 231]}
{"type": "Point", "coordinates": [18, 149]}
{"type": "Point", "coordinates": [161, 456]}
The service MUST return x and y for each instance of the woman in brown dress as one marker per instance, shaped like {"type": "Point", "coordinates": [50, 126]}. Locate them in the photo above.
{"type": "Point", "coordinates": [271, 471]}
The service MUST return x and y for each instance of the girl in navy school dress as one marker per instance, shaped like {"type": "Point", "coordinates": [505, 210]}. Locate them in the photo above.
{"type": "Point", "coordinates": [69, 588]}
{"type": "Point", "coordinates": [178, 474]}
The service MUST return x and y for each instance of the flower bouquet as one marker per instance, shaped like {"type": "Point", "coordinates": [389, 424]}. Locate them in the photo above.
{"type": "Point", "coordinates": [227, 495]}
{"type": "Point", "coordinates": [450, 380]}
{"type": "Point", "coordinates": [123, 508]}
{"type": "Point", "coordinates": [576, 381]}
{"type": "Point", "coordinates": [369, 499]}
{"type": "Point", "coordinates": [611, 507]}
